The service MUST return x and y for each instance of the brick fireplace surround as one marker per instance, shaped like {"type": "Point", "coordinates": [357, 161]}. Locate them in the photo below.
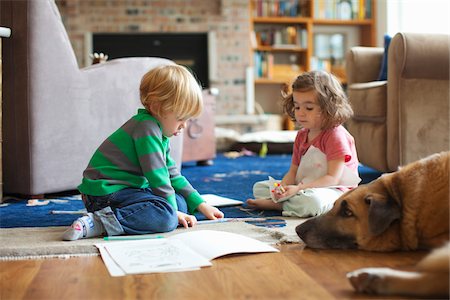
{"type": "Point", "coordinates": [228, 19]}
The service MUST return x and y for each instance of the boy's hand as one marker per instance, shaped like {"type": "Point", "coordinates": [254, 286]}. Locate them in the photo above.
{"type": "Point", "coordinates": [211, 212]}
{"type": "Point", "coordinates": [186, 220]}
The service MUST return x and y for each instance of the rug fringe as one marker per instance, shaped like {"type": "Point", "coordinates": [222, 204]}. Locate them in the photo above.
{"type": "Point", "coordinates": [49, 256]}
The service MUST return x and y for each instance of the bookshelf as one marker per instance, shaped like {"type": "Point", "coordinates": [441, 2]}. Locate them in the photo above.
{"type": "Point", "coordinates": [286, 37]}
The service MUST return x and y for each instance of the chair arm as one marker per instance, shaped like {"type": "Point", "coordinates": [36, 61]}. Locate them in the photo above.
{"type": "Point", "coordinates": [363, 64]}
{"type": "Point", "coordinates": [420, 56]}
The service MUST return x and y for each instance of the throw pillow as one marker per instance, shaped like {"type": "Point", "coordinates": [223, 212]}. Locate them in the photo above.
{"type": "Point", "coordinates": [384, 64]}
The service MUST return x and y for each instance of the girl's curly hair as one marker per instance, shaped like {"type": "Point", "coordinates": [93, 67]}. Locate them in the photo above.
{"type": "Point", "coordinates": [331, 97]}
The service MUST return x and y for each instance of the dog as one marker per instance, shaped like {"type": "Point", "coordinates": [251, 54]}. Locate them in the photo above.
{"type": "Point", "coordinates": [404, 210]}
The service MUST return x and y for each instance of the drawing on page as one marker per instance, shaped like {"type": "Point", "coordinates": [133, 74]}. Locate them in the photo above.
{"type": "Point", "coordinates": [164, 255]}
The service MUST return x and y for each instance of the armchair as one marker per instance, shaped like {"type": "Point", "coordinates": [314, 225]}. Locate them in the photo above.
{"type": "Point", "coordinates": [55, 114]}
{"type": "Point", "coordinates": [406, 117]}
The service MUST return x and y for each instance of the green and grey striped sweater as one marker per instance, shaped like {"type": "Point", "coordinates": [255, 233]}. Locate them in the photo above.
{"type": "Point", "coordinates": [137, 155]}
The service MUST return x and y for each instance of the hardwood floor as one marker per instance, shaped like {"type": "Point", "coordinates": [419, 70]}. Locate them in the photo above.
{"type": "Point", "coordinates": [294, 273]}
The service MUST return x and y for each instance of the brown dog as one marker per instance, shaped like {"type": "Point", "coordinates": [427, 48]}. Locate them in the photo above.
{"type": "Point", "coordinates": [404, 210]}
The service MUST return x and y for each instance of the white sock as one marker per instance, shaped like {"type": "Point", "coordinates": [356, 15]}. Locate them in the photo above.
{"type": "Point", "coordinates": [84, 227]}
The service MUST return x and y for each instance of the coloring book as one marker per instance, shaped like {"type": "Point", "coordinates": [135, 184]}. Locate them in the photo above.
{"type": "Point", "coordinates": [181, 252]}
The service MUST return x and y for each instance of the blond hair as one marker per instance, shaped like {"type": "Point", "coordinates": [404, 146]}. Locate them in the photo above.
{"type": "Point", "coordinates": [332, 99]}
{"type": "Point", "coordinates": [171, 88]}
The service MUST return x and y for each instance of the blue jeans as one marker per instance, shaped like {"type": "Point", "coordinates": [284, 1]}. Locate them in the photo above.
{"type": "Point", "coordinates": [134, 211]}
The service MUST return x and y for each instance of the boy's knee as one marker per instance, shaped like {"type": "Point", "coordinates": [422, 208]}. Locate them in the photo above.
{"type": "Point", "coordinates": [167, 225]}
{"type": "Point", "coordinates": [164, 221]}
{"type": "Point", "coordinates": [153, 217]}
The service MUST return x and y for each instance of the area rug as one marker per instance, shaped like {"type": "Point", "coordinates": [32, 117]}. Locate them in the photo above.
{"type": "Point", "coordinates": [45, 242]}
{"type": "Point", "coordinates": [34, 230]}
{"type": "Point", "coordinates": [233, 178]}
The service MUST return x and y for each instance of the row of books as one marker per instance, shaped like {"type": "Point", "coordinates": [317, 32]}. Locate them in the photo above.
{"type": "Point", "coordinates": [265, 67]}
{"type": "Point", "coordinates": [343, 9]}
{"type": "Point", "coordinates": [263, 64]}
{"type": "Point", "coordinates": [279, 8]}
{"type": "Point", "coordinates": [323, 9]}
{"type": "Point", "coordinates": [282, 37]}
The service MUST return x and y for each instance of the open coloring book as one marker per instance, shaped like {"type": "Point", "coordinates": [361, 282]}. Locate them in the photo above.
{"type": "Point", "coordinates": [181, 252]}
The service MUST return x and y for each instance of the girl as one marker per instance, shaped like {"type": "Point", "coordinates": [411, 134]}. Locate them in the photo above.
{"type": "Point", "coordinates": [324, 161]}
{"type": "Point", "coordinates": [131, 185]}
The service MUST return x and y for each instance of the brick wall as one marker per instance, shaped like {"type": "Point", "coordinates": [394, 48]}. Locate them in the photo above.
{"type": "Point", "coordinates": [229, 19]}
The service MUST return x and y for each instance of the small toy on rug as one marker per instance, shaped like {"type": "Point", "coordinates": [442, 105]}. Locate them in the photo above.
{"type": "Point", "coordinates": [236, 154]}
{"type": "Point", "coordinates": [36, 202]}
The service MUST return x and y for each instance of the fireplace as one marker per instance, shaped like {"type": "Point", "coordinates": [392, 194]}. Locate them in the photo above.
{"type": "Point", "coordinates": [188, 49]}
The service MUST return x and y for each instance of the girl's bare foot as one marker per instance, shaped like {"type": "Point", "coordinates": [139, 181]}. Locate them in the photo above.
{"type": "Point", "coordinates": [264, 204]}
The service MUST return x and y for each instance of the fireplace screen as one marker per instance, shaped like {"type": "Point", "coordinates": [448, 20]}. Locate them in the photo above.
{"type": "Point", "coordinates": [188, 49]}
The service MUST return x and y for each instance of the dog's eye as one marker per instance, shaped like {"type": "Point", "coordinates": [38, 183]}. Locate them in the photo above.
{"type": "Point", "coordinates": [347, 212]}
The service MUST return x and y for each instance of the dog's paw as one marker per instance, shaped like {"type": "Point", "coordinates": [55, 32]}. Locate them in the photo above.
{"type": "Point", "coordinates": [369, 280]}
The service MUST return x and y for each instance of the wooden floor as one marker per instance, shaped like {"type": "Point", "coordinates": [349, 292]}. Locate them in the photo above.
{"type": "Point", "coordinates": [294, 273]}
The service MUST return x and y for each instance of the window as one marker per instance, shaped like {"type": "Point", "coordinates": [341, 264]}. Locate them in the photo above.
{"type": "Point", "coordinates": [424, 16]}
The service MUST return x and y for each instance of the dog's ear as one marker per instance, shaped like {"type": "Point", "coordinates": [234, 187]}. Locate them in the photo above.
{"type": "Point", "coordinates": [382, 212]}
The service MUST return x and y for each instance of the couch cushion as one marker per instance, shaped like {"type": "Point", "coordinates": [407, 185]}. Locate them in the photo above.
{"type": "Point", "coordinates": [369, 101]}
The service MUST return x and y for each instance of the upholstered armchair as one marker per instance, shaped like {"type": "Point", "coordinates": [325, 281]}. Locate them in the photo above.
{"type": "Point", "coordinates": [54, 113]}
{"type": "Point", "coordinates": [406, 117]}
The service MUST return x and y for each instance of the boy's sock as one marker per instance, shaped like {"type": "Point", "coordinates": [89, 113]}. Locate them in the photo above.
{"type": "Point", "coordinates": [84, 227]}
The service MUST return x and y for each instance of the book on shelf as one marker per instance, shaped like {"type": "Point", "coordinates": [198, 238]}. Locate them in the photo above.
{"type": "Point", "coordinates": [278, 8]}
{"type": "Point", "coordinates": [263, 65]}
{"type": "Point", "coordinates": [253, 40]}
{"type": "Point", "coordinates": [343, 9]}
{"type": "Point", "coordinates": [185, 251]}
{"type": "Point", "coordinates": [281, 36]}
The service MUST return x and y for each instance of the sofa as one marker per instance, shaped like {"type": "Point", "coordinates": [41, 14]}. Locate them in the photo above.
{"type": "Point", "coordinates": [406, 117]}
{"type": "Point", "coordinates": [56, 114]}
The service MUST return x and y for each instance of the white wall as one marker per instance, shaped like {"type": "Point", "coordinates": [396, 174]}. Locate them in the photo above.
{"type": "Point", "coordinates": [381, 21]}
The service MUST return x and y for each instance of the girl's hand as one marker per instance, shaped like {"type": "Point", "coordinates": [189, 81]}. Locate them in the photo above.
{"type": "Point", "coordinates": [211, 212]}
{"type": "Point", "coordinates": [186, 220]}
{"type": "Point", "coordinates": [289, 191]}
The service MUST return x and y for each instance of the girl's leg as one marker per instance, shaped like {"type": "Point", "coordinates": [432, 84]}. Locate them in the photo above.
{"type": "Point", "coordinates": [311, 202]}
{"type": "Point", "coordinates": [263, 200]}
{"type": "Point", "coordinates": [261, 190]}
{"type": "Point", "coordinates": [264, 204]}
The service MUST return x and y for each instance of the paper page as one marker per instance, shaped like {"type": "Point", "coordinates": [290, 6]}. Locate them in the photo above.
{"type": "Point", "coordinates": [212, 244]}
{"type": "Point", "coordinates": [150, 256]}
{"type": "Point", "coordinates": [113, 269]}
{"type": "Point", "coordinates": [218, 201]}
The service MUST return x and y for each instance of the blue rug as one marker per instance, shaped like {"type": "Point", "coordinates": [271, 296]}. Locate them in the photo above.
{"type": "Point", "coordinates": [233, 178]}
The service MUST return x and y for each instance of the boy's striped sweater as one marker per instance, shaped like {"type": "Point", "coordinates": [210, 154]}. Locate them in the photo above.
{"type": "Point", "coordinates": [137, 155]}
